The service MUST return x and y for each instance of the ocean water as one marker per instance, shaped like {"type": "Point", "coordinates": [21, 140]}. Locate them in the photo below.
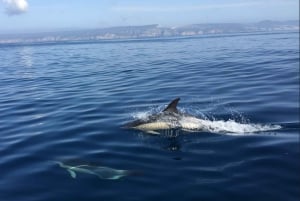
{"type": "Point", "coordinates": [68, 101]}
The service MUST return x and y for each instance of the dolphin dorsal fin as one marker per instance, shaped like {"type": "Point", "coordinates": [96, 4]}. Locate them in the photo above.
{"type": "Point", "coordinates": [172, 107]}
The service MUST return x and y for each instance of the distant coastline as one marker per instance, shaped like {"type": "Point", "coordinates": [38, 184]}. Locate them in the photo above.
{"type": "Point", "coordinates": [149, 31]}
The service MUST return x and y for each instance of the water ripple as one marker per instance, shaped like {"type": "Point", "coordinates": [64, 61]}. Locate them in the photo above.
{"type": "Point", "coordinates": [68, 101]}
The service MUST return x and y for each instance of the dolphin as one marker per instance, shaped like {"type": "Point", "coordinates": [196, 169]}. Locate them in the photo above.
{"type": "Point", "coordinates": [172, 118]}
{"type": "Point", "coordinates": [100, 172]}
{"type": "Point", "coordinates": [169, 118]}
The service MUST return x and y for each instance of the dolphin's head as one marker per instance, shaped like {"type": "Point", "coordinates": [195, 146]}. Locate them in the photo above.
{"type": "Point", "coordinates": [134, 124]}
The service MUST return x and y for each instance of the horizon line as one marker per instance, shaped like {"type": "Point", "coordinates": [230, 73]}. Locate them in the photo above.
{"type": "Point", "coordinates": [69, 29]}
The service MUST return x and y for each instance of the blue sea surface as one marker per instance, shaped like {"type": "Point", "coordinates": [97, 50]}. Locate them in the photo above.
{"type": "Point", "coordinates": [68, 101]}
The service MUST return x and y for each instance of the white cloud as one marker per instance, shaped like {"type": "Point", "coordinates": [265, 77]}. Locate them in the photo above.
{"type": "Point", "coordinates": [15, 7]}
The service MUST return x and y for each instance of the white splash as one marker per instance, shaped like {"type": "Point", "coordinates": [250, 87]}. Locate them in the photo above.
{"type": "Point", "coordinates": [230, 127]}
{"type": "Point", "coordinates": [141, 115]}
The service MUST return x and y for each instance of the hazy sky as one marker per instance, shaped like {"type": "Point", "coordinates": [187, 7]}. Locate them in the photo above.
{"type": "Point", "coordinates": [46, 15]}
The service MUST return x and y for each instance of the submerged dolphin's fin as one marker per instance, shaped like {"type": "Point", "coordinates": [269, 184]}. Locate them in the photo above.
{"type": "Point", "coordinates": [72, 173]}
{"type": "Point", "coordinates": [172, 107]}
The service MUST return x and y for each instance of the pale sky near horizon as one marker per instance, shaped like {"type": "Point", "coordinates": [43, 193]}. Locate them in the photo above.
{"type": "Point", "coordinates": [47, 15]}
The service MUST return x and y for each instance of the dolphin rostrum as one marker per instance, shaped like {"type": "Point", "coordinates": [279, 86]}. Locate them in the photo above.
{"type": "Point", "coordinates": [101, 172]}
{"type": "Point", "coordinates": [169, 118]}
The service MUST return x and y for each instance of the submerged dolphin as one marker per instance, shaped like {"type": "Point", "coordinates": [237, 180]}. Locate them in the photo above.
{"type": "Point", "coordinates": [101, 172]}
{"type": "Point", "coordinates": [169, 118]}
